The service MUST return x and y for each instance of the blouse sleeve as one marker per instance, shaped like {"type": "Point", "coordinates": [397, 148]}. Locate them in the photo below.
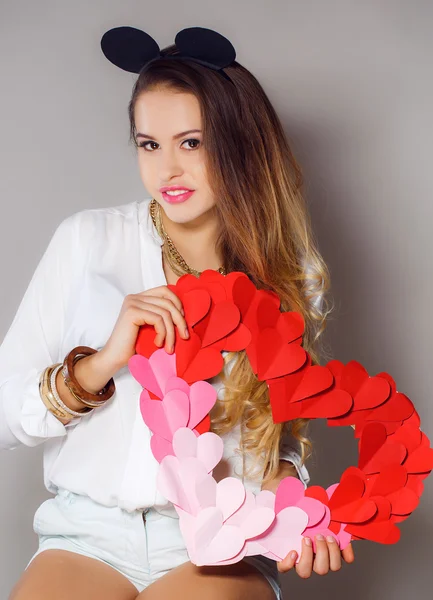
{"type": "Point", "coordinates": [289, 452]}
{"type": "Point", "coordinates": [33, 342]}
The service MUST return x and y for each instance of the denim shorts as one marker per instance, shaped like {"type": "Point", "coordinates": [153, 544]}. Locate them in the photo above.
{"type": "Point", "coordinates": [141, 546]}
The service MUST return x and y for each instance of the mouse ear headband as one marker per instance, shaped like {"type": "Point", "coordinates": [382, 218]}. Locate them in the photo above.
{"type": "Point", "coordinates": [131, 49]}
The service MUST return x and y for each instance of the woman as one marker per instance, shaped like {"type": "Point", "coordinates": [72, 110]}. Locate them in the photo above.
{"type": "Point", "coordinates": [108, 533]}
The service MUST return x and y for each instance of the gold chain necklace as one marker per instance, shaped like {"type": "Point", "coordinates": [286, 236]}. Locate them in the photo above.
{"type": "Point", "coordinates": [174, 258]}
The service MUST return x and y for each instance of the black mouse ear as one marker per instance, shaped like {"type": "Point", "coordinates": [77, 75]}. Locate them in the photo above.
{"type": "Point", "coordinates": [206, 46]}
{"type": "Point", "coordinates": [129, 48]}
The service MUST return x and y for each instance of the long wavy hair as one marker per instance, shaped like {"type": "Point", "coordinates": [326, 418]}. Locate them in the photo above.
{"type": "Point", "coordinates": [265, 232]}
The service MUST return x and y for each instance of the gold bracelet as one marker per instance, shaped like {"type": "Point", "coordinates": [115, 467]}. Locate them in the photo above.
{"type": "Point", "coordinates": [47, 396]}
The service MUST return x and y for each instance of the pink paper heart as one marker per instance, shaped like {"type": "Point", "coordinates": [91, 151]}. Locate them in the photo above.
{"type": "Point", "coordinates": [176, 383]}
{"type": "Point", "coordinates": [289, 492]}
{"type": "Point", "coordinates": [252, 519]}
{"type": "Point", "coordinates": [192, 473]}
{"type": "Point", "coordinates": [214, 541]}
{"type": "Point", "coordinates": [141, 369]}
{"type": "Point", "coordinates": [230, 495]}
{"type": "Point", "coordinates": [160, 447]}
{"type": "Point", "coordinates": [184, 443]}
{"type": "Point", "coordinates": [207, 448]}
{"type": "Point", "coordinates": [202, 397]}
{"type": "Point", "coordinates": [286, 532]}
{"type": "Point", "coordinates": [257, 522]}
{"type": "Point", "coordinates": [210, 448]}
{"type": "Point", "coordinates": [167, 415]}
{"type": "Point", "coordinates": [169, 483]}
{"type": "Point", "coordinates": [163, 366]}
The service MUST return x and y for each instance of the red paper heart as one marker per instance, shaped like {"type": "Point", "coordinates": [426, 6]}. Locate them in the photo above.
{"type": "Point", "coordinates": [347, 504]}
{"type": "Point", "coordinates": [409, 435]}
{"type": "Point", "coordinates": [275, 357]}
{"type": "Point", "coordinates": [373, 392]}
{"type": "Point", "coordinates": [317, 492]}
{"type": "Point", "coordinates": [391, 453]}
{"type": "Point", "coordinates": [290, 325]}
{"type": "Point", "coordinates": [207, 363]}
{"type": "Point", "coordinates": [403, 501]}
{"type": "Point", "coordinates": [372, 439]}
{"type": "Point", "coordinates": [390, 480]}
{"type": "Point", "coordinates": [397, 408]}
{"type": "Point", "coordinates": [309, 382]}
{"type": "Point", "coordinates": [420, 460]}
{"type": "Point", "coordinates": [196, 304]}
{"type": "Point", "coordinates": [384, 532]}
{"type": "Point", "coordinates": [224, 317]}
{"type": "Point", "coordinates": [144, 343]}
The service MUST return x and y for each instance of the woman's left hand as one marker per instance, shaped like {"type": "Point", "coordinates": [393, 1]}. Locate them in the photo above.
{"type": "Point", "coordinates": [327, 558]}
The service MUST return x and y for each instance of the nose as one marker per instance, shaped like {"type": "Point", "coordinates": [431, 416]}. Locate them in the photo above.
{"type": "Point", "coordinates": [169, 166]}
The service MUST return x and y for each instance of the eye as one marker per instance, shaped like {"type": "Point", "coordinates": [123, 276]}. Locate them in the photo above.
{"type": "Point", "coordinates": [145, 143]}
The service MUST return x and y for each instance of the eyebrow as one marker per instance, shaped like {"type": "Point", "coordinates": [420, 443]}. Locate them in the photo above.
{"type": "Point", "coordinates": [175, 137]}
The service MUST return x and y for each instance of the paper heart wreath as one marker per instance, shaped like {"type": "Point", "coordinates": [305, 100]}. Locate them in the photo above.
{"type": "Point", "coordinates": [222, 522]}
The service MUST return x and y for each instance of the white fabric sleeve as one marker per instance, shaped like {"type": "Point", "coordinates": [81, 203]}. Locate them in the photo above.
{"type": "Point", "coordinates": [289, 452]}
{"type": "Point", "coordinates": [33, 342]}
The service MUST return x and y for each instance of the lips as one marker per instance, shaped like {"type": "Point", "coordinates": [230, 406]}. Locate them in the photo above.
{"type": "Point", "coordinates": [178, 197]}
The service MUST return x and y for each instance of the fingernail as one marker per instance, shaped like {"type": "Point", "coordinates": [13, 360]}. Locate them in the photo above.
{"type": "Point", "coordinates": [186, 332]}
{"type": "Point", "coordinates": [293, 555]}
{"type": "Point", "coordinates": [330, 539]}
{"type": "Point", "coordinates": [307, 541]}
{"type": "Point", "coordinates": [319, 537]}
{"type": "Point", "coordinates": [183, 312]}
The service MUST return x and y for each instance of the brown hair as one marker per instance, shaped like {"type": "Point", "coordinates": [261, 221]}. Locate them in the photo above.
{"type": "Point", "coordinates": [266, 231]}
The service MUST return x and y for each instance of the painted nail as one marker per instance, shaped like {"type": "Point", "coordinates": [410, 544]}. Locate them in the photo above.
{"type": "Point", "coordinates": [330, 539]}
{"type": "Point", "coordinates": [307, 541]}
{"type": "Point", "coordinates": [320, 537]}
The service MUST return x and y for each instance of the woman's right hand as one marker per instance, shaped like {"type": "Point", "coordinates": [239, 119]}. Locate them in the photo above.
{"type": "Point", "coordinates": [157, 306]}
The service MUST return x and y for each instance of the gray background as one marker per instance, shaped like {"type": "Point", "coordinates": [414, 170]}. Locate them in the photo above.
{"type": "Point", "coordinates": [352, 83]}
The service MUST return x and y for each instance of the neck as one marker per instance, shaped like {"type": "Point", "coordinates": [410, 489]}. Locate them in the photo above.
{"type": "Point", "coordinates": [196, 240]}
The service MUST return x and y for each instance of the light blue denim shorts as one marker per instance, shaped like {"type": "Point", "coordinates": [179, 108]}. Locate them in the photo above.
{"type": "Point", "coordinates": [141, 550]}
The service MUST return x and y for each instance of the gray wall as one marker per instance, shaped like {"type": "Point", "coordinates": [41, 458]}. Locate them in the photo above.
{"type": "Point", "coordinates": [352, 83]}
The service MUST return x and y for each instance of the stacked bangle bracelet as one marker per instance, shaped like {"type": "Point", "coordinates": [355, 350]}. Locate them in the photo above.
{"type": "Point", "coordinates": [50, 396]}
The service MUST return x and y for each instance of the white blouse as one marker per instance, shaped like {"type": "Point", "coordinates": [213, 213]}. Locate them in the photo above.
{"type": "Point", "coordinates": [93, 260]}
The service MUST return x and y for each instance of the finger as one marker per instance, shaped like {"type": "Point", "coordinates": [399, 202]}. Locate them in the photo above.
{"type": "Point", "coordinates": [152, 318]}
{"type": "Point", "coordinates": [287, 563]}
{"type": "Point", "coordinates": [166, 293]}
{"type": "Point", "coordinates": [305, 564]}
{"type": "Point", "coordinates": [334, 553]}
{"type": "Point", "coordinates": [176, 315]}
{"type": "Point", "coordinates": [348, 554]}
{"type": "Point", "coordinates": [153, 315]}
{"type": "Point", "coordinates": [321, 561]}
{"type": "Point", "coordinates": [168, 321]}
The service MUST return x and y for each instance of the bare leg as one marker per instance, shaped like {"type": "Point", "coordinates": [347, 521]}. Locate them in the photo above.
{"type": "Point", "coordinates": [240, 581]}
{"type": "Point", "coordinates": [64, 575]}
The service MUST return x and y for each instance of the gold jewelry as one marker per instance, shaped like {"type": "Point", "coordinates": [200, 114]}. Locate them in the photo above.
{"type": "Point", "coordinates": [170, 252]}
{"type": "Point", "coordinates": [47, 396]}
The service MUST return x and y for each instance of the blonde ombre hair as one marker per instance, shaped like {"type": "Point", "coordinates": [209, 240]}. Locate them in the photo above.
{"type": "Point", "coordinates": [265, 232]}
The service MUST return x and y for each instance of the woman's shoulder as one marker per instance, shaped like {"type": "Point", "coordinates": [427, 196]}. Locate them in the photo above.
{"type": "Point", "coordinates": [94, 222]}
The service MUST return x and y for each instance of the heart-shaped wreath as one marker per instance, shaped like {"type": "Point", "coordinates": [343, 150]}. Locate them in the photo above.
{"type": "Point", "coordinates": [222, 522]}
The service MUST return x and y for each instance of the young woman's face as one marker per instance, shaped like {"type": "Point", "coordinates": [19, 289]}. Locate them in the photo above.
{"type": "Point", "coordinates": [166, 158]}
